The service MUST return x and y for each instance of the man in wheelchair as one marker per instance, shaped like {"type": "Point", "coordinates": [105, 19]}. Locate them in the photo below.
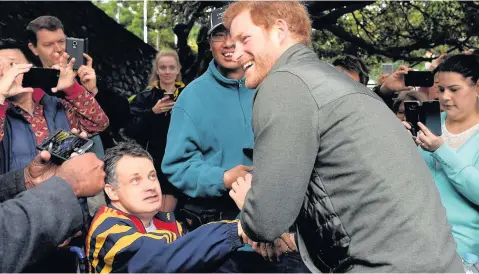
{"type": "Point", "coordinates": [130, 234]}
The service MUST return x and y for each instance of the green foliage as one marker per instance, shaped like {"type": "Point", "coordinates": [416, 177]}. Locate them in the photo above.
{"type": "Point", "coordinates": [378, 32]}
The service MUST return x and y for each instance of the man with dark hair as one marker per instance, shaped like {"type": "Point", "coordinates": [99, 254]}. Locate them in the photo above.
{"type": "Point", "coordinates": [131, 235]}
{"type": "Point", "coordinates": [47, 41]}
{"type": "Point", "coordinates": [354, 67]}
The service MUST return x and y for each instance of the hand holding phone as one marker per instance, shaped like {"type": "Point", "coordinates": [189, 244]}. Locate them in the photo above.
{"type": "Point", "coordinates": [43, 78]}
{"type": "Point", "coordinates": [67, 75]}
{"type": "Point", "coordinates": [76, 47]}
{"type": "Point", "coordinates": [427, 112]}
{"type": "Point", "coordinates": [63, 144]}
{"type": "Point", "coordinates": [419, 79]}
{"type": "Point", "coordinates": [8, 83]}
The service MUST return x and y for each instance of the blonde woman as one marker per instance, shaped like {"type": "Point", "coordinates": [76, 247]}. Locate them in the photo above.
{"type": "Point", "coordinates": [151, 113]}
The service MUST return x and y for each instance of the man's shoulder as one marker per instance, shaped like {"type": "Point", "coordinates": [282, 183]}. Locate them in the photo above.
{"type": "Point", "coordinates": [325, 83]}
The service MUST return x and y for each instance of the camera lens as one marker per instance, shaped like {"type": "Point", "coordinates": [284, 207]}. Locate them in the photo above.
{"type": "Point", "coordinates": [74, 43]}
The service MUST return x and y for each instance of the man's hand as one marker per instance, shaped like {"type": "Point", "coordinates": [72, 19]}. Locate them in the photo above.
{"type": "Point", "coordinates": [88, 76]}
{"type": "Point", "coordinates": [395, 82]}
{"type": "Point", "coordinates": [67, 75]}
{"type": "Point", "coordinates": [435, 63]}
{"type": "Point", "coordinates": [271, 251]}
{"type": "Point", "coordinates": [233, 174]}
{"type": "Point", "coordinates": [165, 104]}
{"type": "Point", "coordinates": [8, 86]}
{"type": "Point", "coordinates": [428, 140]}
{"type": "Point", "coordinates": [39, 170]}
{"type": "Point", "coordinates": [84, 173]}
{"type": "Point", "coordinates": [240, 188]}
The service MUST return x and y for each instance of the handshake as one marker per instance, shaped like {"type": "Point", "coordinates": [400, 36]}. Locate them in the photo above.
{"type": "Point", "coordinates": [269, 251]}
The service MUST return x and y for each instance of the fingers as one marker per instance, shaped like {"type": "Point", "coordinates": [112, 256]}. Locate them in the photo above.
{"type": "Point", "coordinates": [278, 247]}
{"type": "Point", "coordinates": [248, 178]}
{"type": "Point", "coordinates": [89, 60]}
{"type": "Point", "coordinates": [63, 59]}
{"type": "Point", "coordinates": [406, 125]}
{"type": "Point", "coordinates": [424, 129]}
{"type": "Point", "coordinates": [248, 168]}
{"type": "Point", "coordinates": [54, 90]}
{"type": "Point", "coordinates": [45, 156]}
{"type": "Point", "coordinates": [270, 253]}
{"type": "Point", "coordinates": [82, 134]}
{"type": "Point", "coordinates": [289, 241]}
{"type": "Point", "coordinates": [70, 64]}
{"type": "Point", "coordinates": [402, 70]}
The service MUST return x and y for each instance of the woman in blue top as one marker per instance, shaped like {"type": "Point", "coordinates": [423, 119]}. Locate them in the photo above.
{"type": "Point", "coordinates": [453, 157]}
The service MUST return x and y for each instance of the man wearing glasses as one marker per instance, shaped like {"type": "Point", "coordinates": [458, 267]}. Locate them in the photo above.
{"type": "Point", "coordinates": [210, 126]}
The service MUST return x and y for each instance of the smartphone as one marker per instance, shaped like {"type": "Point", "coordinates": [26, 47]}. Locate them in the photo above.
{"type": "Point", "coordinates": [171, 96]}
{"type": "Point", "coordinates": [431, 116]}
{"type": "Point", "coordinates": [75, 48]}
{"type": "Point", "coordinates": [63, 143]}
{"type": "Point", "coordinates": [412, 111]}
{"type": "Point", "coordinates": [43, 78]}
{"type": "Point", "coordinates": [419, 79]}
{"type": "Point", "coordinates": [388, 68]}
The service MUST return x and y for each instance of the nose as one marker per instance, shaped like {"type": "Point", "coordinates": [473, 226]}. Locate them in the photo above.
{"type": "Point", "coordinates": [238, 53]}
{"type": "Point", "coordinates": [229, 41]}
{"type": "Point", "coordinates": [445, 96]}
{"type": "Point", "coordinates": [58, 48]}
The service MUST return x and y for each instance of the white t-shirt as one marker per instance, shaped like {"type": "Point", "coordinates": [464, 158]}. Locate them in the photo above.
{"type": "Point", "coordinates": [151, 227]}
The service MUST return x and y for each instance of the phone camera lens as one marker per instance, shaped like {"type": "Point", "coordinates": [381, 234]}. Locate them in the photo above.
{"type": "Point", "coordinates": [74, 43]}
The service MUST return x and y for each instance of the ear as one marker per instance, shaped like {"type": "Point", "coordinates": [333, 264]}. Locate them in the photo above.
{"type": "Point", "coordinates": [281, 28]}
{"type": "Point", "coordinates": [111, 192]}
{"type": "Point", "coordinates": [33, 49]}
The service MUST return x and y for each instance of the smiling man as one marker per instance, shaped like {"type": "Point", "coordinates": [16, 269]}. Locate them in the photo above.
{"type": "Point", "coordinates": [131, 235]}
{"type": "Point", "coordinates": [323, 157]}
{"type": "Point", "coordinates": [210, 126]}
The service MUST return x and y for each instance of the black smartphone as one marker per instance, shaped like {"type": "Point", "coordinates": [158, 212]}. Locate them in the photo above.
{"type": "Point", "coordinates": [75, 48]}
{"type": "Point", "coordinates": [63, 143]}
{"type": "Point", "coordinates": [419, 79]}
{"type": "Point", "coordinates": [412, 110]}
{"type": "Point", "coordinates": [170, 95]}
{"type": "Point", "coordinates": [431, 116]}
{"type": "Point", "coordinates": [43, 78]}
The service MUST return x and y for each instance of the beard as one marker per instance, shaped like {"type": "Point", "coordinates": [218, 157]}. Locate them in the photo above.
{"type": "Point", "coordinates": [262, 66]}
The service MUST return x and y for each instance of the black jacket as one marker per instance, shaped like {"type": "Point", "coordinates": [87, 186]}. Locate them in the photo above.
{"type": "Point", "coordinates": [150, 130]}
{"type": "Point", "coordinates": [35, 222]}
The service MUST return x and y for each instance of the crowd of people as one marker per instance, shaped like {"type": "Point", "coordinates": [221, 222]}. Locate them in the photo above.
{"type": "Point", "coordinates": [270, 161]}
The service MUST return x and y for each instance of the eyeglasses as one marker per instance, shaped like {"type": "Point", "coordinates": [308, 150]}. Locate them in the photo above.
{"type": "Point", "coordinates": [220, 36]}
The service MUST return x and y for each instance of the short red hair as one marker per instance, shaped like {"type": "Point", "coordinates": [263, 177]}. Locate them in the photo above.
{"type": "Point", "coordinates": [265, 13]}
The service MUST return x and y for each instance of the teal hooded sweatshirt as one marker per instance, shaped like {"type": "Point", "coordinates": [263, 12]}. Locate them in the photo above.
{"type": "Point", "coordinates": [210, 126]}
{"type": "Point", "coordinates": [456, 173]}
